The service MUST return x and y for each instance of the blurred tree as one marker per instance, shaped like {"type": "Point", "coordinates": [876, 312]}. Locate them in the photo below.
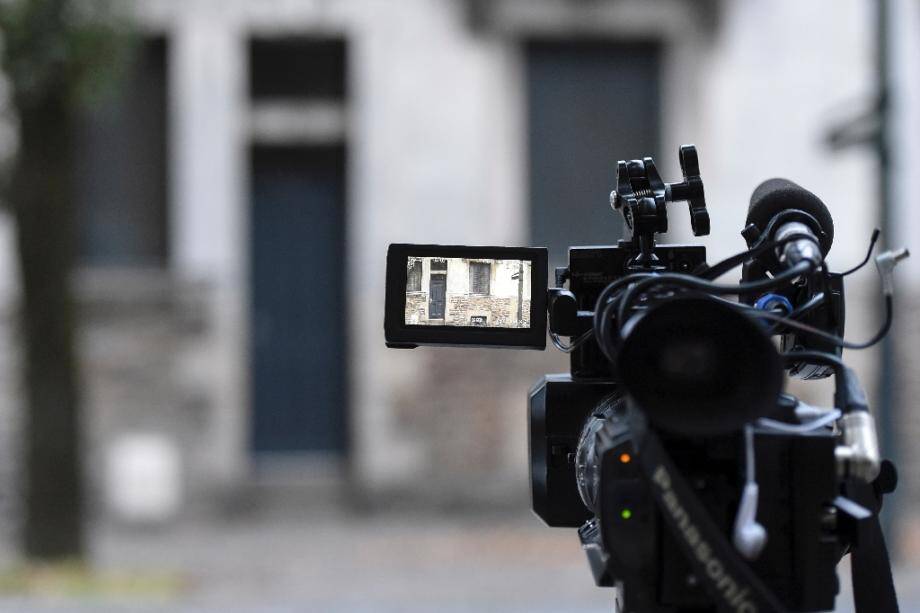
{"type": "Point", "coordinates": [57, 55]}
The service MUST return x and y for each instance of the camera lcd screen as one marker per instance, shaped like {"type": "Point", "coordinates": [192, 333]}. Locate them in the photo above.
{"type": "Point", "coordinates": [463, 295]}
{"type": "Point", "coordinates": [468, 292]}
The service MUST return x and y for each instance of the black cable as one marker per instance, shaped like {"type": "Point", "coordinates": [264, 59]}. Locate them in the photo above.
{"type": "Point", "coordinates": [787, 320]}
{"type": "Point", "coordinates": [603, 308]}
{"type": "Point", "coordinates": [720, 268]}
{"type": "Point", "coordinates": [833, 338]}
{"type": "Point", "coordinates": [726, 264]}
{"type": "Point", "coordinates": [599, 327]}
{"type": "Point", "coordinates": [815, 357]}
{"type": "Point", "coordinates": [558, 344]}
{"type": "Point", "coordinates": [849, 394]}
{"type": "Point", "coordinates": [803, 309]}
{"type": "Point", "coordinates": [715, 271]}
{"type": "Point", "coordinates": [872, 241]}
{"type": "Point", "coordinates": [810, 304]}
{"type": "Point", "coordinates": [612, 287]}
{"type": "Point", "coordinates": [713, 288]}
{"type": "Point", "coordinates": [635, 284]}
{"type": "Point", "coordinates": [825, 359]}
{"type": "Point", "coordinates": [602, 314]}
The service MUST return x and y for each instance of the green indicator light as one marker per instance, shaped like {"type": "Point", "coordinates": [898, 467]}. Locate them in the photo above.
{"type": "Point", "coordinates": [625, 513]}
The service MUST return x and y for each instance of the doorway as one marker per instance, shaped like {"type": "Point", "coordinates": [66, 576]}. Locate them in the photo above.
{"type": "Point", "coordinates": [298, 325]}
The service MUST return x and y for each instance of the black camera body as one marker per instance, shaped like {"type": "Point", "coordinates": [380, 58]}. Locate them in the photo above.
{"type": "Point", "coordinates": [624, 536]}
{"type": "Point", "coordinates": [561, 404]}
{"type": "Point", "coordinates": [695, 483]}
{"type": "Point", "coordinates": [590, 270]}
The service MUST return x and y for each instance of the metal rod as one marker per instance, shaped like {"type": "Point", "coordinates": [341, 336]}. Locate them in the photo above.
{"type": "Point", "coordinates": [887, 376]}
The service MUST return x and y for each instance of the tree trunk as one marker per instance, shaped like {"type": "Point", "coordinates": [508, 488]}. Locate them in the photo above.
{"type": "Point", "coordinates": [41, 196]}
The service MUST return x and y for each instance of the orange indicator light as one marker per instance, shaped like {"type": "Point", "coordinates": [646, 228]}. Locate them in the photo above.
{"type": "Point", "coordinates": [625, 458]}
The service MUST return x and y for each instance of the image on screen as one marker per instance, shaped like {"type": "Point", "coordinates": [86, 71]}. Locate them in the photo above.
{"type": "Point", "coordinates": [468, 292]}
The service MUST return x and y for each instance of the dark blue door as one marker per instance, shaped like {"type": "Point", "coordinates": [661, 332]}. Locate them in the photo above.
{"type": "Point", "coordinates": [298, 299]}
{"type": "Point", "coordinates": [437, 296]}
{"type": "Point", "coordinates": [590, 103]}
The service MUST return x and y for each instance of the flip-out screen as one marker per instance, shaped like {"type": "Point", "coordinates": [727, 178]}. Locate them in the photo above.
{"type": "Point", "coordinates": [460, 295]}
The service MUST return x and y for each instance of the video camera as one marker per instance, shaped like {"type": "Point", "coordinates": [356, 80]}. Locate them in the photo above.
{"type": "Point", "coordinates": [695, 483]}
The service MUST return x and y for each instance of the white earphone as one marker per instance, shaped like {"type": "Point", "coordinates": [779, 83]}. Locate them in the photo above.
{"type": "Point", "coordinates": [750, 537]}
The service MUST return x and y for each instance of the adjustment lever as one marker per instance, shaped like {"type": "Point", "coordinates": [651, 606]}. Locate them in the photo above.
{"type": "Point", "coordinates": [691, 190]}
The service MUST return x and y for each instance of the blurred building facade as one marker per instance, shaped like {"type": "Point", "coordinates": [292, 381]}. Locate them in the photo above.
{"type": "Point", "coordinates": [240, 193]}
{"type": "Point", "coordinates": [468, 292]}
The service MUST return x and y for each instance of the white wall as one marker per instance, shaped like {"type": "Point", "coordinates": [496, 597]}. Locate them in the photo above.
{"type": "Point", "coordinates": [436, 136]}
{"type": "Point", "coordinates": [782, 75]}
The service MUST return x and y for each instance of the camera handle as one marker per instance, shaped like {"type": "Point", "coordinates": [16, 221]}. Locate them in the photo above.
{"type": "Point", "coordinates": [642, 197]}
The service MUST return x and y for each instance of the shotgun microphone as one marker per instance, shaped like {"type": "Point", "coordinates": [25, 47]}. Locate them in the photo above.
{"type": "Point", "coordinates": [781, 208]}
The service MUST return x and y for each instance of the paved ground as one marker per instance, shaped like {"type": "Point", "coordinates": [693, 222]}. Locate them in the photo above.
{"type": "Point", "coordinates": [335, 562]}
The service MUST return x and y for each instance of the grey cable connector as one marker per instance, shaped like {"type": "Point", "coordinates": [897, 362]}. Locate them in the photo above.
{"type": "Point", "coordinates": [886, 262]}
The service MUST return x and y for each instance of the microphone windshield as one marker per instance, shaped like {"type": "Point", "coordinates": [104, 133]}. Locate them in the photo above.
{"type": "Point", "coordinates": [774, 196]}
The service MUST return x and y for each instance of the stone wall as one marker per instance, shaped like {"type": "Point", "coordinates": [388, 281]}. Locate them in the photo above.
{"type": "Point", "coordinates": [137, 332]}
{"type": "Point", "coordinates": [417, 307]}
{"type": "Point", "coordinates": [499, 312]}
{"type": "Point", "coordinates": [465, 410]}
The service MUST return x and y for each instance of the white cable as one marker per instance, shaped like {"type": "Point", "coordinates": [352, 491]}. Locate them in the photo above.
{"type": "Point", "coordinates": [779, 426]}
{"type": "Point", "coordinates": [807, 412]}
